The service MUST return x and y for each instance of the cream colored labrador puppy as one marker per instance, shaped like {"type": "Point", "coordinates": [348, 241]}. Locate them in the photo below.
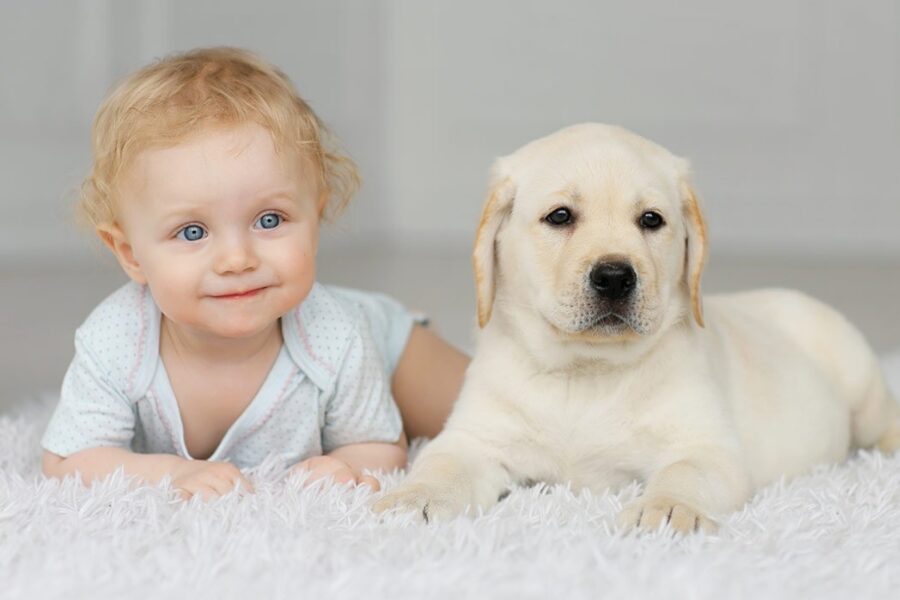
{"type": "Point", "coordinates": [597, 362]}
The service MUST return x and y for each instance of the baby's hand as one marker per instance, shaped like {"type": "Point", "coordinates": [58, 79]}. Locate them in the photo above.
{"type": "Point", "coordinates": [209, 479]}
{"type": "Point", "coordinates": [329, 466]}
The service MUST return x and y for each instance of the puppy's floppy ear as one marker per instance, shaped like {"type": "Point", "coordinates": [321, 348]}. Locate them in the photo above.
{"type": "Point", "coordinates": [696, 245]}
{"type": "Point", "coordinates": [496, 208]}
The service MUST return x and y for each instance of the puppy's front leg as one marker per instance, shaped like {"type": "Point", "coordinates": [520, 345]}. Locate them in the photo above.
{"type": "Point", "coordinates": [455, 473]}
{"type": "Point", "coordinates": [686, 493]}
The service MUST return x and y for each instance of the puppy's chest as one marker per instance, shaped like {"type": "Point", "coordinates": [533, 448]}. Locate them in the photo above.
{"type": "Point", "coordinates": [582, 430]}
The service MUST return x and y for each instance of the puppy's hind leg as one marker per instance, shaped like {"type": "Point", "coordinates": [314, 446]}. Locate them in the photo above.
{"type": "Point", "coordinates": [889, 441]}
{"type": "Point", "coordinates": [876, 422]}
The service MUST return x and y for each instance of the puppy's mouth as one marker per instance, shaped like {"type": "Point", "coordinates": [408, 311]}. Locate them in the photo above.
{"type": "Point", "coordinates": [598, 326]}
{"type": "Point", "coordinates": [610, 321]}
{"type": "Point", "coordinates": [586, 319]}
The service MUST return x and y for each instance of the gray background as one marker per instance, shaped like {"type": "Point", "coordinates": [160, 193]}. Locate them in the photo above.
{"type": "Point", "coordinates": [788, 110]}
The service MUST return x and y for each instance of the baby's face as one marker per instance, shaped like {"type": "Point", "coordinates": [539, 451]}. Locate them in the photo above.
{"type": "Point", "coordinates": [221, 229]}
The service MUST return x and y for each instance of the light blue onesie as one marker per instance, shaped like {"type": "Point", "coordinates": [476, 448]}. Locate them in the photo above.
{"type": "Point", "coordinates": [329, 386]}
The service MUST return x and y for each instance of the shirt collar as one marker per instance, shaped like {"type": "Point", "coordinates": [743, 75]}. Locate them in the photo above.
{"type": "Point", "coordinates": [317, 334]}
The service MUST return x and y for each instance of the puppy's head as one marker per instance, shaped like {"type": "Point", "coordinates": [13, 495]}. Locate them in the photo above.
{"type": "Point", "coordinates": [594, 234]}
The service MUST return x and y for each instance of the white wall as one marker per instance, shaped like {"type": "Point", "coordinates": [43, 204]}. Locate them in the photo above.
{"type": "Point", "coordinates": [60, 58]}
{"type": "Point", "coordinates": [789, 110]}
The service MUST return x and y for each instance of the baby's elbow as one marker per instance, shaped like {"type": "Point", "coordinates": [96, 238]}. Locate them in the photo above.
{"type": "Point", "coordinates": [52, 465]}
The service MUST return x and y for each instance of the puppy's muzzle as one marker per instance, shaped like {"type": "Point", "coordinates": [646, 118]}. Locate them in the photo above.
{"type": "Point", "coordinates": [614, 281]}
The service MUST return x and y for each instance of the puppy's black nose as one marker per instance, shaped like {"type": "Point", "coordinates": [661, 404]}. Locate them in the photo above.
{"type": "Point", "coordinates": [613, 281]}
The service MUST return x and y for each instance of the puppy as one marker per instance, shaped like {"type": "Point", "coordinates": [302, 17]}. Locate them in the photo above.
{"type": "Point", "coordinates": [597, 362]}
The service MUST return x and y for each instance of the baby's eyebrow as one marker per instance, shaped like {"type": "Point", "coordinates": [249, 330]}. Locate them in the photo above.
{"type": "Point", "coordinates": [189, 209]}
{"type": "Point", "coordinates": [181, 212]}
{"type": "Point", "coordinates": [282, 195]}
{"type": "Point", "coordinates": [285, 194]}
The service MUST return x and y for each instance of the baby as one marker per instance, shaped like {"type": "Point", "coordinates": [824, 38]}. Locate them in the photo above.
{"type": "Point", "coordinates": [209, 182]}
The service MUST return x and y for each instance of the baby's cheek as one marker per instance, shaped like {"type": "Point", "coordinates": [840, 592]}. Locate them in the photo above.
{"type": "Point", "coordinates": [297, 266]}
{"type": "Point", "coordinates": [306, 271]}
{"type": "Point", "coordinates": [175, 289]}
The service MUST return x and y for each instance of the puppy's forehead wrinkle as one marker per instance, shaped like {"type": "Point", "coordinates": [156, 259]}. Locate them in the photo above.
{"type": "Point", "coordinates": [572, 193]}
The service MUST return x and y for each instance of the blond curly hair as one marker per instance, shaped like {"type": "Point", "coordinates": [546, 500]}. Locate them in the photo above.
{"type": "Point", "coordinates": [169, 100]}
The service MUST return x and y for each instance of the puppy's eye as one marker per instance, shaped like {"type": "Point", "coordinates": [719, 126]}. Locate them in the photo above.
{"type": "Point", "coordinates": [651, 220]}
{"type": "Point", "coordinates": [560, 216]}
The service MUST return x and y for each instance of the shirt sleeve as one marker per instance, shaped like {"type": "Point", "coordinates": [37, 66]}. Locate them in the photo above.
{"type": "Point", "coordinates": [91, 413]}
{"type": "Point", "coordinates": [389, 321]}
{"type": "Point", "coordinates": [362, 408]}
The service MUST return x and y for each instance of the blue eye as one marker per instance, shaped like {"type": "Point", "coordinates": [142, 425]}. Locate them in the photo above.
{"type": "Point", "coordinates": [269, 221]}
{"type": "Point", "coordinates": [191, 233]}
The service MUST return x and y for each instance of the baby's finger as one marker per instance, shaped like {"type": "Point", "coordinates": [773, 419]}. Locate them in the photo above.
{"type": "Point", "coordinates": [227, 471]}
{"type": "Point", "coordinates": [222, 485]}
{"type": "Point", "coordinates": [245, 485]}
{"type": "Point", "coordinates": [239, 481]}
{"type": "Point", "coordinates": [344, 475]}
{"type": "Point", "coordinates": [316, 468]}
{"type": "Point", "coordinates": [316, 475]}
{"type": "Point", "coordinates": [324, 469]}
{"type": "Point", "coordinates": [187, 490]}
{"type": "Point", "coordinates": [369, 481]}
{"type": "Point", "coordinates": [206, 492]}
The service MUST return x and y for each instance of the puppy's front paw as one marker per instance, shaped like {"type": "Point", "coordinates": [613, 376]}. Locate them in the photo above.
{"type": "Point", "coordinates": [647, 514]}
{"type": "Point", "coordinates": [427, 503]}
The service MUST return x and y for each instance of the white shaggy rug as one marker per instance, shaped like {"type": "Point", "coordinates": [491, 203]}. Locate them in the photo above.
{"type": "Point", "coordinates": [834, 533]}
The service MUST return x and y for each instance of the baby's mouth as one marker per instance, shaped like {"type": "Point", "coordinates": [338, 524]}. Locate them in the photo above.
{"type": "Point", "coordinates": [239, 295]}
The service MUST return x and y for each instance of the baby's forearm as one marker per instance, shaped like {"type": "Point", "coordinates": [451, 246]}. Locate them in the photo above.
{"type": "Point", "coordinates": [373, 456]}
{"type": "Point", "coordinates": [95, 463]}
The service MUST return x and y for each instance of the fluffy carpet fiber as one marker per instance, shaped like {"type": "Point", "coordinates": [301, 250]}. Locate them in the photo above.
{"type": "Point", "coordinates": [834, 533]}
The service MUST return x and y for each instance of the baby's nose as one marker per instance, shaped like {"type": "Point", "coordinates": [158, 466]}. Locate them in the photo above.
{"type": "Point", "coordinates": [236, 255]}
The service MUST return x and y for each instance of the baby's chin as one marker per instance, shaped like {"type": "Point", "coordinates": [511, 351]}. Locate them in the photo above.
{"type": "Point", "coordinates": [245, 318]}
{"type": "Point", "coordinates": [241, 326]}
{"type": "Point", "coordinates": [226, 324]}
{"type": "Point", "coordinates": [224, 329]}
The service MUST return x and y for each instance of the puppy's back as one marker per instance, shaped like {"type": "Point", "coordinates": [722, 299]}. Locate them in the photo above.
{"type": "Point", "coordinates": [830, 341]}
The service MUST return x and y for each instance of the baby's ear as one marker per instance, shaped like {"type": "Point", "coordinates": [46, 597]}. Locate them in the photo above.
{"type": "Point", "coordinates": [117, 242]}
{"type": "Point", "coordinates": [322, 204]}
